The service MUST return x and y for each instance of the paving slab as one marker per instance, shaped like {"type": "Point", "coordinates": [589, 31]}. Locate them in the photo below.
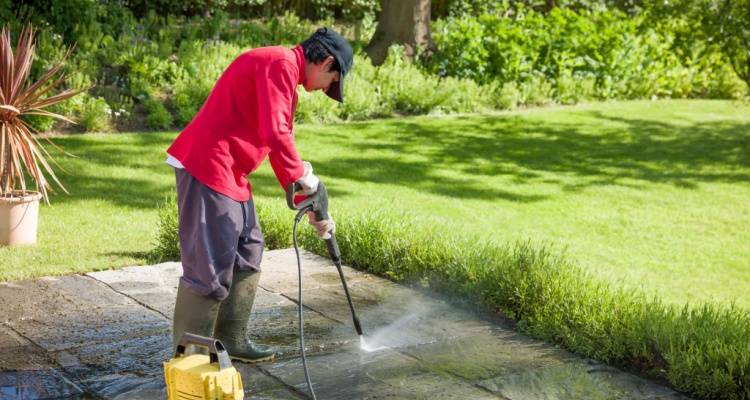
{"type": "Point", "coordinates": [106, 334]}
{"type": "Point", "coordinates": [280, 275]}
{"type": "Point", "coordinates": [18, 353]}
{"type": "Point", "coordinates": [111, 368]}
{"type": "Point", "coordinates": [154, 285]}
{"type": "Point", "coordinates": [354, 374]}
{"type": "Point", "coordinates": [70, 311]}
{"type": "Point", "coordinates": [394, 315]}
{"type": "Point", "coordinates": [27, 372]}
{"type": "Point", "coordinates": [38, 384]}
{"type": "Point", "coordinates": [274, 322]}
{"type": "Point", "coordinates": [577, 380]}
{"type": "Point", "coordinates": [493, 353]}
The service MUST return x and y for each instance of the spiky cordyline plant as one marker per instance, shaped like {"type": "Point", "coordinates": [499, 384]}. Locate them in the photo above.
{"type": "Point", "coordinates": [20, 150]}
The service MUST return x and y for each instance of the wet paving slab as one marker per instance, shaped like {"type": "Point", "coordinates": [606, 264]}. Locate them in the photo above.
{"type": "Point", "coordinates": [115, 368]}
{"type": "Point", "coordinates": [26, 371]}
{"type": "Point", "coordinates": [577, 380]}
{"type": "Point", "coordinates": [154, 286]}
{"type": "Point", "coordinates": [355, 374]}
{"type": "Point", "coordinates": [38, 384]}
{"type": "Point", "coordinates": [105, 335]}
{"type": "Point", "coordinates": [279, 272]}
{"type": "Point", "coordinates": [394, 315]}
{"type": "Point", "coordinates": [70, 311]}
{"type": "Point", "coordinates": [496, 352]}
{"type": "Point", "coordinates": [275, 322]}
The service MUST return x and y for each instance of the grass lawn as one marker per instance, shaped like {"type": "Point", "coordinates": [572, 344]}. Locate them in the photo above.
{"type": "Point", "coordinates": [644, 194]}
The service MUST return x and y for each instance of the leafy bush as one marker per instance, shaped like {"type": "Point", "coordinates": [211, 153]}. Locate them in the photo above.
{"type": "Point", "coordinates": [462, 96]}
{"type": "Point", "coordinates": [157, 115]}
{"type": "Point", "coordinates": [410, 90]}
{"type": "Point", "coordinates": [702, 350]}
{"type": "Point", "coordinates": [572, 89]}
{"type": "Point", "coordinates": [507, 96]}
{"type": "Point", "coordinates": [91, 113]}
{"type": "Point", "coordinates": [363, 96]}
{"type": "Point", "coordinates": [39, 123]}
{"type": "Point", "coordinates": [167, 242]}
{"type": "Point", "coordinates": [620, 57]}
{"type": "Point", "coordinates": [536, 91]}
{"type": "Point", "coordinates": [406, 88]}
{"type": "Point", "coordinates": [316, 107]}
{"type": "Point", "coordinates": [398, 86]}
{"type": "Point", "coordinates": [347, 9]}
{"type": "Point", "coordinates": [201, 65]}
{"type": "Point", "coordinates": [508, 56]}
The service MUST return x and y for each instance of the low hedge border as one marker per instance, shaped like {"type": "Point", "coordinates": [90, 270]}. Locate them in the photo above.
{"type": "Point", "coordinates": [701, 350]}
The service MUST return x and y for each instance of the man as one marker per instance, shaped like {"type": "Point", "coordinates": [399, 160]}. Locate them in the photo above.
{"type": "Point", "coordinates": [247, 116]}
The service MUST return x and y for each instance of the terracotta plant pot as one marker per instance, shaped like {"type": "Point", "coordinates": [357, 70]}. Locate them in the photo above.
{"type": "Point", "coordinates": [19, 214]}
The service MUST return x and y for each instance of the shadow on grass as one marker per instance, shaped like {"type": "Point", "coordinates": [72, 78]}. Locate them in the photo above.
{"type": "Point", "coordinates": [89, 174]}
{"type": "Point", "coordinates": [588, 148]}
{"type": "Point", "coordinates": [600, 150]}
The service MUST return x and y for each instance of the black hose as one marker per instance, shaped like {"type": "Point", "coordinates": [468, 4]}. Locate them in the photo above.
{"type": "Point", "coordinates": [301, 323]}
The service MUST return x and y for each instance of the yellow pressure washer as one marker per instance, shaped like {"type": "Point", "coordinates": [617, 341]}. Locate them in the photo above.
{"type": "Point", "coordinates": [201, 376]}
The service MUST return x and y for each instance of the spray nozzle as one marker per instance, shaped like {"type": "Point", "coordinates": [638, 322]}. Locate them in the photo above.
{"type": "Point", "coordinates": [371, 347]}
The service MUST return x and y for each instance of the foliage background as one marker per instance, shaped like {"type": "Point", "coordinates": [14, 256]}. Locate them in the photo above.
{"type": "Point", "coordinates": [150, 64]}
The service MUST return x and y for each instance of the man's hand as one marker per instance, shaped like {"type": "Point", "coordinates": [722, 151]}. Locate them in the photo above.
{"type": "Point", "coordinates": [324, 228]}
{"type": "Point", "coordinates": [309, 182]}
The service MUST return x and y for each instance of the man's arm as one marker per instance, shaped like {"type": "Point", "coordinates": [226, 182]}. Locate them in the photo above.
{"type": "Point", "coordinates": [275, 97]}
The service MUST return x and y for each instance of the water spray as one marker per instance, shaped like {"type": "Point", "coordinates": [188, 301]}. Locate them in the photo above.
{"type": "Point", "coordinates": [318, 204]}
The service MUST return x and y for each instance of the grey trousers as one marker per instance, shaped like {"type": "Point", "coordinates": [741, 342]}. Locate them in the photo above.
{"type": "Point", "coordinates": [216, 234]}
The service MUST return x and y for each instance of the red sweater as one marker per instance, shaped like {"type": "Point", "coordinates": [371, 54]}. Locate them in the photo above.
{"type": "Point", "coordinates": [248, 115]}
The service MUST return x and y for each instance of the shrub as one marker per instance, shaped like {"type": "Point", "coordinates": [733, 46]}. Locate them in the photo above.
{"type": "Point", "coordinates": [363, 94]}
{"type": "Point", "coordinates": [462, 96]}
{"type": "Point", "coordinates": [39, 123]}
{"type": "Point", "coordinates": [202, 65]}
{"type": "Point", "coordinates": [157, 115]}
{"type": "Point", "coordinates": [536, 91]}
{"type": "Point", "coordinates": [166, 243]}
{"type": "Point", "coordinates": [410, 90]}
{"type": "Point", "coordinates": [574, 89]}
{"type": "Point", "coordinates": [513, 56]}
{"type": "Point", "coordinates": [397, 86]}
{"type": "Point", "coordinates": [316, 107]}
{"type": "Point", "coordinates": [506, 96]}
{"type": "Point", "coordinates": [620, 57]}
{"type": "Point", "coordinates": [92, 113]}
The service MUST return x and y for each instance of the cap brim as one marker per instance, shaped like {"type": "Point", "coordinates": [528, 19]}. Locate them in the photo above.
{"type": "Point", "coordinates": [336, 92]}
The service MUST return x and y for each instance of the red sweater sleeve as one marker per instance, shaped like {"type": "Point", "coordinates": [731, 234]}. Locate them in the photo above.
{"type": "Point", "coordinates": [276, 95]}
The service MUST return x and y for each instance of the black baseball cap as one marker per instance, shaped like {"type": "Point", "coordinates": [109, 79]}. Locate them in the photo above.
{"type": "Point", "coordinates": [342, 52]}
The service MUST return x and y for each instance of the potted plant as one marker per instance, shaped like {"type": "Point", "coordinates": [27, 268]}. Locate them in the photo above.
{"type": "Point", "coordinates": [22, 156]}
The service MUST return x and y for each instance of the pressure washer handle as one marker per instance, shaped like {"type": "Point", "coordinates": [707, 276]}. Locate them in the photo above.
{"type": "Point", "coordinates": [316, 202]}
{"type": "Point", "coordinates": [291, 190]}
{"type": "Point", "coordinates": [216, 351]}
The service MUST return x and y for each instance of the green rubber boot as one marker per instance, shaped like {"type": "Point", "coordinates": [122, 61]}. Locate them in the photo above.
{"type": "Point", "coordinates": [193, 313]}
{"type": "Point", "coordinates": [234, 313]}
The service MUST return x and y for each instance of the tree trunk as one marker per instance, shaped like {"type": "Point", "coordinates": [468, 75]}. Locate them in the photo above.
{"type": "Point", "coordinates": [404, 22]}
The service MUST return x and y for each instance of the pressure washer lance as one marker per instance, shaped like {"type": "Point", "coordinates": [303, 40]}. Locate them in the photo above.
{"type": "Point", "coordinates": [318, 204]}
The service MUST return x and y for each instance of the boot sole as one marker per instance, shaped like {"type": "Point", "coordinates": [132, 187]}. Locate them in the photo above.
{"type": "Point", "coordinates": [252, 360]}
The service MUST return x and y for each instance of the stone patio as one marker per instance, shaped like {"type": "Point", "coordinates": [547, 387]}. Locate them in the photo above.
{"type": "Point", "coordinates": [106, 334]}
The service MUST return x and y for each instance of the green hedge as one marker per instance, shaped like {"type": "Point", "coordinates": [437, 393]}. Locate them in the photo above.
{"type": "Point", "coordinates": [702, 350]}
{"type": "Point", "coordinates": [618, 56]}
